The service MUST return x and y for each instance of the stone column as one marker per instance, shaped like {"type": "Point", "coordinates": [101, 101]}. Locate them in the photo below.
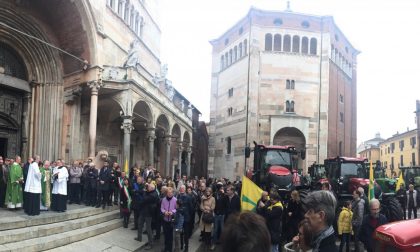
{"type": "Point", "coordinates": [179, 157]}
{"type": "Point", "coordinates": [127, 126]}
{"type": "Point", "coordinates": [189, 161]}
{"type": "Point", "coordinates": [25, 125]}
{"type": "Point", "coordinates": [151, 137]}
{"type": "Point", "coordinates": [94, 86]}
{"type": "Point", "coordinates": [168, 155]}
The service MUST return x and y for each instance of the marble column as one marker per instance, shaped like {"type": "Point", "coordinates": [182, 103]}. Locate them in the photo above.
{"type": "Point", "coordinates": [94, 86]}
{"type": "Point", "coordinates": [151, 138]}
{"type": "Point", "coordinates": [179, 157]}
{"type": "Point", "coordinates": [127, 126]}
{"type": "Point", "coordinates": [189, 161]}
{"type": "Point", "coordinates": [25, 125]}
{"type": "Point", "coordinates": [168, 140]}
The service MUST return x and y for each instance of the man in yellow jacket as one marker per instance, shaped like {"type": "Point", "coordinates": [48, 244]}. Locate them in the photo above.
{"type": "Point", "coordinates": [345, 225]}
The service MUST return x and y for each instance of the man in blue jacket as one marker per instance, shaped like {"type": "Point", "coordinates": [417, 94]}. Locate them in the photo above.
{"type": "Point", "coordinates": [370, 223]}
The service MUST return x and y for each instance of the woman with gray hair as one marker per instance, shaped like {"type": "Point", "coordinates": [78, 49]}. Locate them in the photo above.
{"type": "Point", "coordinates": [320, 213]}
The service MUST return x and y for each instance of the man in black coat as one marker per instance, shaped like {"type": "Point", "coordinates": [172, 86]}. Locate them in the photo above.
{"type": "Point", "coordinates": [148, 205]}
{"type": "Point", "coordinates": [320, 214]}
{"type": "Point", "coordinates": [188, 206]}
{"type": "Point", "coordinates": [273, 216]}
{"type": "Point", "coordinates": [370, 223]}
{"type": "Point", "coordinates": [233, 204]}
{"type": "Point", "coordinates": [91, 185]}
{"type": "Point", "coordinates": [104, 180]}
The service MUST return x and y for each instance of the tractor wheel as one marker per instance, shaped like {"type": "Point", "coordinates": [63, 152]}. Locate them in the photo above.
{"type": "Point", "coordinates": [392, 209]}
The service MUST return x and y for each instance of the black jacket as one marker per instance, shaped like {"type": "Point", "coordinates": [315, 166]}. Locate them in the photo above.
{"type": "Point", "coordinates": [367, 229]}
{"type": "Point", "coordinates": [232, 205]}
{"type": "Point", "coordinates": [187, 206]}
{"type": "Point", "coordinates": [104, 175]}
{"type": "Point", "coordinates": [221, 203]}
{"type": "Point", "coordinates": [328, 244]}
{"type": "Point", "coordinates": [149, 203]}
{"type": "Point", "coordinates": [273, 218]}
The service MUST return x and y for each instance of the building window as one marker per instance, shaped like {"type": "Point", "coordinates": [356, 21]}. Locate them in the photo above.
{"type": "Point", "coordinates": [226, 59]}
{"type": "Point", "coordinates": [305, 45]}
{"type": "Point", "coordinates": [127, 12]}
{"type": "Point", "coordinates": [286, 43]}
{"type": "Point", "coordinates": [287, 84]}
{"type": "Point", "coordinates": [278, 22]}
{"type": "Point", "coordinates": [305, 24]}
{"type": "Point", "coordinates": [296, 44]}
{"type": "Point", "coordinates": [230, 111]}
{"type": "Point", "coordinates": [290, 106]}
{"type": "Point", "coordinates": [230, 92]}
{"type": "Point", "coordinates": [401, 144]}
{"type": "Point", "coordinates": [235, 53]}
{"type": "Point", "coordinates": [268, 42]}
{"type": "Point", "coordinates": [413, 158]}
{"type": "Point", "coordinates": [245, 47]}
{"type": "Point", "coordinates": [392, 163]}
{"type": "Point", "coordinates": [313, 46]}
{"type": "Point", "coordinates": [401, 160]}
{"type": "Point", "coordinates": [392, 147]}
{"type": "Point", "coordinates": [241, 30]}
{"type": "Point", "coordinates": [413, 142]}
{"type": "Point", "coordinates": [120, 8]}
{"type": "Point", "coordinates": [222, 62]}
{"type": "Point", "coordinates": [230, 57]}
{"type": "Point", "coordinates": [240, 50]}
{"type": "Point", "coordinates": [292, 84]}
{"type": "Point", "coordinates": [342, 117]}
{"type": "Point", "coordinates": [277, 42]}
{"type": "Point", "coordinates": [341, 98]}
{"type": "Point", "coordinates": [228, 145]}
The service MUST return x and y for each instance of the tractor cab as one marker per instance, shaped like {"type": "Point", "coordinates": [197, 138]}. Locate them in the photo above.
{"type": "Point", "coordinates": [346, 174]}
{"type": "Point", "coordinates": [275, 167]}
{"type": "Point", "coordinates": [411, 175]}
{"type": "Point", "coordinates": [318, 175]}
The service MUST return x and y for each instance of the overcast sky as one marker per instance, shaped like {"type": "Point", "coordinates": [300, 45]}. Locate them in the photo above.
{"type": "Point", "coordinates": [387, 32]}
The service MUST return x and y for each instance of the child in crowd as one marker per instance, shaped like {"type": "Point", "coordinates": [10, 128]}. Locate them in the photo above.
{"type": "Point", "coordinates": [345, 226]}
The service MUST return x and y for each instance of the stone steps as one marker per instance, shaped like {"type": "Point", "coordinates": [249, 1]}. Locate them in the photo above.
{"type": "Point", "coordinates": [52, 230]}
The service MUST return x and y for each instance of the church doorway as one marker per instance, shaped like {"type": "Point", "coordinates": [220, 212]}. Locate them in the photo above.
{"type": "Point", "coordinates": [3, 147]}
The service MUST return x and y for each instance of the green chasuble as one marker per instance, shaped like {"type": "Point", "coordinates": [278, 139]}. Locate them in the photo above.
{"type": "Point", "coordinates": [14, 192]}
{"type": "Point", "coordinates": [46, 187]}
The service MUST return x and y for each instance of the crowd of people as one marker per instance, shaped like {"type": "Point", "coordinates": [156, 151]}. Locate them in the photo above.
{"type": "Point", "coordinates": [172, 205]}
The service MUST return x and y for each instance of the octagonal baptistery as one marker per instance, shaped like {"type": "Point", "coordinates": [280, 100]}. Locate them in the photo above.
{"type": "Point", "coordinates": [299, 74]}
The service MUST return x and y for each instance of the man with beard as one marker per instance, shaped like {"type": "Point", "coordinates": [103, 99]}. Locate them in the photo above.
{"type": "Point", "coordinates": [370, 223]}
{"type": "Point", "coordinates": [59, 192]}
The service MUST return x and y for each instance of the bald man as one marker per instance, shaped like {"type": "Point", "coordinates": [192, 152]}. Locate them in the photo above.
{"type": "Point", "coordinates": [264, 200]}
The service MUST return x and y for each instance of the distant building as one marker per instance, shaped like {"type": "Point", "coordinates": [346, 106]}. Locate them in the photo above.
{"type": "Point", "coordinates": [370, 148]}
{"type": "Point", "coordinates": [298, 73]}
{"type": "Point", "coordinates": [399, 150]}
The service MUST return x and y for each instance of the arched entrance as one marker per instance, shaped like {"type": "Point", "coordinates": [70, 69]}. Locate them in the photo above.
{"type": "Point", "coordinates": [292, 136]}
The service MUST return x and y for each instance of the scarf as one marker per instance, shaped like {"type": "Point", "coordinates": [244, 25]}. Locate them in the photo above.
{"type": "Point", "coordinates": [127, 194]}
{"type": "Point", "coordinates": [327, 232]}
{"type": "Point", "coordinates": [278, 204]}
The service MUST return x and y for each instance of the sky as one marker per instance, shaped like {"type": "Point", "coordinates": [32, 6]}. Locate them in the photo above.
{"type": "Point", "coordinates": [387, 32]}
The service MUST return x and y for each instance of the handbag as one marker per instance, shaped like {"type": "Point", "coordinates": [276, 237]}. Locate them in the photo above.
{"type": "Point", "coordinates": [208, 218]}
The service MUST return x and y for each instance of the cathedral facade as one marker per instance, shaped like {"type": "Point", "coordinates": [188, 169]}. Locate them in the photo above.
{"type": "Point", "coordinates": [77, 77]}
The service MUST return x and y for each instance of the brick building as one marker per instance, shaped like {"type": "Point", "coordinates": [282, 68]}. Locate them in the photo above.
{"type": "Point", "coordinates": [106, 89]}
{"type": "Point", "coordinates": [281, 78]}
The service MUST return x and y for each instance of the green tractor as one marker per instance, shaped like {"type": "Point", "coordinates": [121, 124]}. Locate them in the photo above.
{"type": "Point", "coordinates": [411, 175]}
{"type": "Point", "coordinates": [387, 185]}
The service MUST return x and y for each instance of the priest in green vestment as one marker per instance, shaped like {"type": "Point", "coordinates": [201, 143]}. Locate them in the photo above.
{"type": "Point", "coordinates": [14, 193]}
{"type": "Point", "coordinates": [46, 186]}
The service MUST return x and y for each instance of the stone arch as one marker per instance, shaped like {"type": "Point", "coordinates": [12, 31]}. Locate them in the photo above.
{"type": "Point", "coordinates": [290, 136]}
{"type": "Point", "coordinates": [186, 139]}
{"type": "Point", "coordinates": [142, 115]}
{"type": "Point", "coordinates": [162, 123]}
{"type": "Point", "coordinates": [176, 132]}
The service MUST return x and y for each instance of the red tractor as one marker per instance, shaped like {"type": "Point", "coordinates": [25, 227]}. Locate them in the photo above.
{"type": "Point", "coordinates": [275, 167]}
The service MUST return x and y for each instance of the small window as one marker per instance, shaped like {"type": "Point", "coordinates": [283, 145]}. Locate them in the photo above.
{"type": "Point", "coordinates": [292, 84]}
{"type": "Point", "coordinates": [268, 42]}
{"type": "Point", "coordinates": [228, 145]}
{"type": "Point", "coordinates": [392, 147]}
{"type": "Point", "coordinates": [292, 106]}
{"type": "Point", "coordinates": [278, 21]}
{"type": "Point", "coordinates": [413, 158]}
{"type": "Point", "coordinates": [341, 117]}
{"type": "Point", "coordinates": [341, 98]}
{"type": "Point", "coordinates": [230, 92]}
{"type": "Point", "coordinates": [287, 84]}
{"type": "Point", "coordinates": [241, 30]}
{"type": "Point", "coordinates": [230, 111]}
{"type": "Point", "coordinates": [277, 42]}
{"type": "Point", "coordinates": [305, 45]}
{"type": "Point", "coordinates": [336, 37]}
{"type": "Point", "coordinates": [287, 43]}
{"type": "Point", "coordinates": [230, 57]}
{"type": "Point", "coordinates": [401, 160]}
{"type": "Point", "coordinates": [222, 62]}
{"type": "Point", "coordinates": [226, 41]}
{"type": "Point", "coordinates": [313, 46]}
{"type": "Point", "coordinates": [245, 47]}
{"type": "Point", "coordinates": [401, 145]}
{"type": "Point", "coordinates": [235, 54]}
{"type": "Point", "coordinates": [240, 50]}
{"type": "Point", "coordinates": [296, 44]}
{"type": "Point", "coordinates": [305, 24]}
{"type": "Point", "coordinates": [287, 106]}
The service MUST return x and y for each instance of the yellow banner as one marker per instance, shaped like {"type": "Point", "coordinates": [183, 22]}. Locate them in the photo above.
{"type": "Point", "coordinates": [250, 194]}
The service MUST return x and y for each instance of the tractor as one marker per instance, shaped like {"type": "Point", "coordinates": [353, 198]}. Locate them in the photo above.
{"type": "Point", "coordinates": [347, 174]}
{"type": "Point", "coordinates": [411, 175]}
{"type": "Point", "coordinates": [275, 167]}
{"type": "Point", "coordinates": [317, 175]}
{"type": "Point", "coordinates": [387, 185]}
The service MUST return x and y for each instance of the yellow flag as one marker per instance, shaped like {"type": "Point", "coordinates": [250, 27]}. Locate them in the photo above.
{"type": "Point", "coordinates": [371, 183]}
{"type": "Point", "coordinates": [250, 194]}
{"type": "Point", "coordinates": [400, 181]}
{"type": "Point", "coordinates": [126, 166]}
